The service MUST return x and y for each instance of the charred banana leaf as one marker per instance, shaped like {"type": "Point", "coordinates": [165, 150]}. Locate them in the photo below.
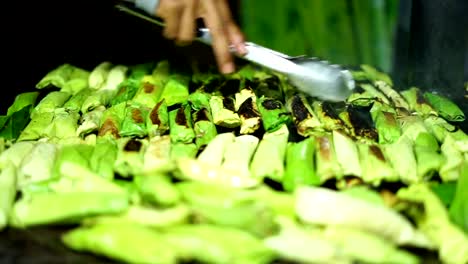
{"type": "Point", "coordinates": [157, 121]}
{"type": "Point", "coordinates": [223, 112]}
{"type": "Point", "coordinates": [375, 165]}
{"type": "Point", "coordinates": [397, 99]}
{"type": "Point", "coordinates": [269, 86]}
{"type": "Point", "coordinates": [327, 116]}
{"type": "Point", "coordinates": [386, 123]}
{"type": "Point", "coordinates": [326, 160]}
{"type": "Point", "coordinates": [270, 98]}
{"type": "Point", "coordinates": [273, 112]}
{"type": "Point", "coordinates": [130, 155]}
{"type": "Point", "coordinates": [152, 85]}
{"type": "Point", "coordinates": [205, 129]}
{"type": "Point", "coordinates": [359, 123]}
{"type": "Point", "coordinates": [242, 96]}
{"type": "Point", "coordinates": [418, 103]}
{"type": "Point", "coordinates": [149, 92]}
{"type": "Point", "coordinates": [306, 121]}
{"type": "Point", "coordinates": [180, 123]}
{"type": "Point", "coordinates": [250, 116]}
{"type": "Point", "coordinates": [112, 120]}
{"type": "Point", "coordinates": [368, 95]}
{"type": "Point", "coordinates": [134, 121]}
{"type": "Point", "coordinates": [369, 73]}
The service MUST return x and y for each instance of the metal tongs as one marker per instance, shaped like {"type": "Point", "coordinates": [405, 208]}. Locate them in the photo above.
{"type": "Point", "coordinates": [312, 76]}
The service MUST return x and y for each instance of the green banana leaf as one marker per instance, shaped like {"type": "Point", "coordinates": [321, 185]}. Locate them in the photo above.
{"type": "Point", "coordinates": [123, 242]}
{"type": "Point", "coordinates": [434, 221]}
{"type": "Point", "coordinates": [446, 108]}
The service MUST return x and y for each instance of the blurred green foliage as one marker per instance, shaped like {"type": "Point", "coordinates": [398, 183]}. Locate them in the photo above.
{"type": "Point", "coordinates": [348, 32]}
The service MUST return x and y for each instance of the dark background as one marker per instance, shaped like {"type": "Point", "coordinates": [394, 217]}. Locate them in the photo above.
{"type": "Point", "coordinates": [40, 35]}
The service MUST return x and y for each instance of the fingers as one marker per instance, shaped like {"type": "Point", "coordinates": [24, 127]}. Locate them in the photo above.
{"type": "Point", "coordinates": [218, 31]}
{"type": "Point", "coordinates": [180, 15]}
{"type": "Point", "coordinates": [187, 26]}
{"type": "Point", "coordinates": [235, 35]}
{"type": "Point", "coordinates": [170, 11]}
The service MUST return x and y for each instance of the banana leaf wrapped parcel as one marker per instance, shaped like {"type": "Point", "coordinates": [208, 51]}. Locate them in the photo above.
{"type": "Point", "coordinates": [303, 116]}
{"type": "Point", "coordinates": [157, 121]}
{"type": "Point", "coordinates": [130, 156]}
{"type": "Point", "coordinates": [223, 112]}
{"type": "Point", "coordinates": [111, 120]}
{"type": "Point", "coordinates": [445, 108]}
{"type": "Point", "coordinates": [76, 101]}
{"type": "Point", "coordinates": [176, 90]}
{"type": "Point", "coordinates": [98, 76]}
{"type": "Point", "coordinates": [134, 121]}
{"type": "Point", "coordinates": [68, 78]}
{"type": "Point", "coordinates": [90, 122]}
{"type": "Point", "coordinates": [386, 124]}
{"type": "Point", "coordinates": [204, 128]}
{"type": "Point", "coordinates": [152, 85]}
{"type": "Point", "coordinates": [326, 159]}
{"type": "Point", "coordinates": [106, 93]}
{"type": "Point", "coordinates": [418, 102]}
{"type": "Point", "coordinates": [157, 157]}
{"type": "Point", "coordinates": [300, 166]}
{"type": "Point", "coordinates": [50, 102]}
{"type": "Point", "coordinates": [181, 125]}
{"type": "Point", "coordinates": [268, 160]}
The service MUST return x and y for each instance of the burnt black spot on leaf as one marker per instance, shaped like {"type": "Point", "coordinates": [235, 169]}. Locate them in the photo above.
{"type": "Point", "coordinates": [230, 87]}
{"type": "Point", "coordinates": [154, 115]}
{"type": "Point", "coordinates": [377, 152]}
{"type": "Point", "coordinates": [180, 118]}
{"type": "Point", "coordinates": [133, 145]}
{"type": "Point", "coordinates": [201, 115]}
{"type": "Point", "coordinates": [298, 108]}
{"type": "Point", "coordinates": [247, 109]}
{"type": "Point", "coordinates": [271, 104]}
{"type": "Point", "coordinates": [228, 103]}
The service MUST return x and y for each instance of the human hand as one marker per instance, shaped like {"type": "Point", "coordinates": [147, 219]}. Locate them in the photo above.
{"type": "Point", "coordinates": [180, 18]}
